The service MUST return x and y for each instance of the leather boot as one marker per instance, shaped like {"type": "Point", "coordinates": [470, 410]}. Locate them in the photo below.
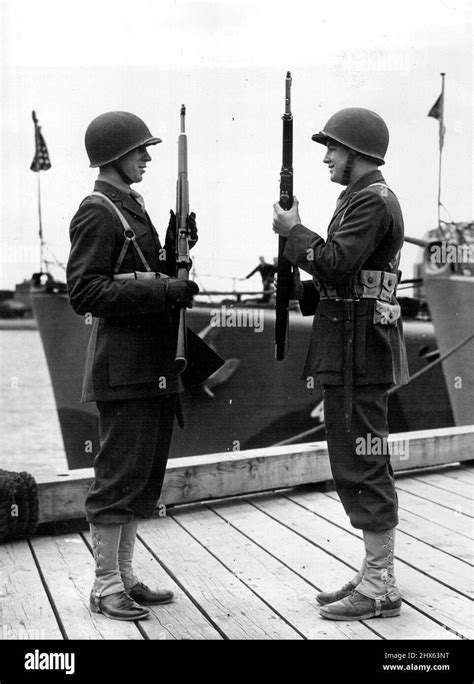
{"type": "Point", "coordinates": [138, 591]}
{"type": "Point", "coordinates": [150, 597]}
{"type": "Point", "coordinates": [108, 595]}
{"type": "Point", "coordinates": [325, 597]}
{"type": "Point", "coordinates": [118, 606]}
{"type": "Point", "coordinates": [377, 594]}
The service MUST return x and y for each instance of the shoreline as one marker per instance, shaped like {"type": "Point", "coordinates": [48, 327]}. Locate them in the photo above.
{"type": "Point", "coordinates": [18, 324]}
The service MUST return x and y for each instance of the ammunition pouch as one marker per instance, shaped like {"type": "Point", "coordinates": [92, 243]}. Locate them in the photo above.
{"type": "Point", "coordinates": [380, 285]}
{"type": "Point", "coordinates": [385, 313]}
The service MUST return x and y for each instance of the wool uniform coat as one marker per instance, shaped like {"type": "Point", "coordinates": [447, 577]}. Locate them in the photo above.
{"type": "Point", "coordinates": [365, 232]}
{"type": "Point", "coordinates": [133, 340]}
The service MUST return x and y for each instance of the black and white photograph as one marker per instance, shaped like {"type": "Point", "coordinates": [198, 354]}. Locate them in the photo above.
{"type": "Point", "coordinates": [237, 334]}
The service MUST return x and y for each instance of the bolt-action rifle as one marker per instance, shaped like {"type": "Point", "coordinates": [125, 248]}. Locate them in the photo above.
{"type": "Point", "coordinates": [285, 273]}
{"type": "Point", "coordinates": [183, 261]}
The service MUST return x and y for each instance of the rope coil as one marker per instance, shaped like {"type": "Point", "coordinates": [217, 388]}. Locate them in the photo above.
{"type": "Point", "coordinates": [19, 505]}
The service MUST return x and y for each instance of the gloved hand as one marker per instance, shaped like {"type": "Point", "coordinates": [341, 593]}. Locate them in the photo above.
{"type": "Point", "coordinates": [170, 238]}
{"type": "Point", "coordinates": [180, 292]}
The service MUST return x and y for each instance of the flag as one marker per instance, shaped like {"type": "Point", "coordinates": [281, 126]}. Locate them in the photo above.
{"type": "Point", "coordinates": [437, 112]}
{"type": "Point", "coordinates": [41, 161]}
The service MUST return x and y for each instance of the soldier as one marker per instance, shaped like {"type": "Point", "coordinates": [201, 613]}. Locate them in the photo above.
{"type": "Point", "coordinates": [267, 272]}
{"type": "Point", "coordinates": [119, 273]}
{"type": "Point", "coordinates": [357, 349]}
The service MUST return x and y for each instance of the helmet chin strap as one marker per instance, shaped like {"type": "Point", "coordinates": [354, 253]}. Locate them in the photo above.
{"type": "Point", "coordinates": [126, 179]}
{"type": "Point", "coordinates": [346, 176]}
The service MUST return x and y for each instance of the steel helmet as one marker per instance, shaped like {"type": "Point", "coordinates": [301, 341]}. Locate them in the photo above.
{"type": "Point", "coordinates": [113, 134]}
{"type": "Point", "coordinates": [358, 129]}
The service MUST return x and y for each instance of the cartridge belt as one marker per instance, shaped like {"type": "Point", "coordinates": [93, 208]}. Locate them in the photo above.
{"type": "Point", "coordinates": [140, 275]}
{"type": "Point", "coordinates": [379, 285]}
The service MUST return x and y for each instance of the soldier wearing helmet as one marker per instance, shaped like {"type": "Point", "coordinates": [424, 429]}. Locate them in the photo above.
{"type": "Point", "coordinates": [356, 350]}
{"type": "Point", "coordinates": [120, 274]}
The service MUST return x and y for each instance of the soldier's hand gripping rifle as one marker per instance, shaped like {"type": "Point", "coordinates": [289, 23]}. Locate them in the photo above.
{"type": "Point", "coordinates": [285, 271]}
{"type": "Point", "coordinates": [183, 261]}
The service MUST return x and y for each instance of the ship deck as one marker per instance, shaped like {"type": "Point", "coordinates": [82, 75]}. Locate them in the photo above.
{"type": "Point", "coordinates": [249, 567]}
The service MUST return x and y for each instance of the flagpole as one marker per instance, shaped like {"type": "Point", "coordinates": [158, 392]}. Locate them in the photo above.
{"type": "Point", "coordinates": [441, 143]}
{"type": "Point", "coordinates": [41, 162]}
{"type": "Point", "coordinates": [40, 226]}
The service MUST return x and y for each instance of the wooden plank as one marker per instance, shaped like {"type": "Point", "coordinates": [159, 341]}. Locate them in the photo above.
{"type": "Point", "coordinates": [465, 475]}
{"type": "Point", "coordinates": [467, 470]}
{"type": "Point", "coordinates": [445, 517]}
{"type": "Point", "coordinates": [434, 534]}
{"type": "Point", "coordinates": [458, 504]}
{"type": "Point", "coordinates": [197, 478]}
{"type": "Point", "coordinates": [447, 484]}
{"type": "Point", "coordinates": [25, 610]}
{"type": "Point", "coordinates": [427, 448]}
{"type": "Point", "coordinates": [200, 478]}
{"type": "Point", "coordinates": [275, 529]}
{"type": "Point", "coordinates": [285, 591]}
{"type": "Point", "coordinates": [223, 598]}
{"type": "Point", "coordinates": [421, 591]}
{"type": "Point", "coordinates": [68, 568]}
{"type": "Point", "coordinates": [177, 620]}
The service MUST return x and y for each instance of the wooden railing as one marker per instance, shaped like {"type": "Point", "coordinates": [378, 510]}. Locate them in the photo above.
{"type": "Point", "coordinates": [214, 476]}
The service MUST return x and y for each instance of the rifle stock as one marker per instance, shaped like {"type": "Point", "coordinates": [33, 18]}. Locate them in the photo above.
{"type": "Point", "coordinates": [284, 271]}
{"type": "Point", "coordinates": [182, 237]}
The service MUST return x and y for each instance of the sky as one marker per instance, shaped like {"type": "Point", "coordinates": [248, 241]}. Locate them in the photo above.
{"type": "Point", "coordinates": [226, 61]}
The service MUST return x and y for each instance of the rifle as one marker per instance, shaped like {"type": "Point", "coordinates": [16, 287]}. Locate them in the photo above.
{"type": "Point", "coordinates": [194, 359]}
{"type": "Point", "coordinates": [183, 261]}
{"type": "Point", "coordinates": [284, 271]}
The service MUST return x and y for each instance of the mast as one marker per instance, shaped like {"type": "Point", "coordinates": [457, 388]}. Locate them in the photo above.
{"type": "Point", "coordinates": [441, 143]}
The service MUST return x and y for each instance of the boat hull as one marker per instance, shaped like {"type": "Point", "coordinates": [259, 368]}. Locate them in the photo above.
{"type": "Point", "coordinates": [255, 402]}
{"type": "Point", "coordinates": [451, 306]}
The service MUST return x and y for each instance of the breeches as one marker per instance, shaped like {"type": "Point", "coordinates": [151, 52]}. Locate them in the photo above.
{"type": "Point", "coordinates": [135, 437]}
{"type": "Point", "coordinates": [360, 460]}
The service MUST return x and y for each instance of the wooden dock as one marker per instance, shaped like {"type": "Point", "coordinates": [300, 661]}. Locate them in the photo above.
{"type": "Point", "coordinates": [249, 567]}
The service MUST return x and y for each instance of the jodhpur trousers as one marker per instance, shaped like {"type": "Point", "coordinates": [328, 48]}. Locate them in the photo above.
{"type": "Point", "coordinates": [135, 437]}
{"type": "Point", "coordinates": [360, 460]}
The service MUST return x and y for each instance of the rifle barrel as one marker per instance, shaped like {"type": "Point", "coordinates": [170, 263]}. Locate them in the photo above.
{"type": "Point", "coordinates": [284, 271]}
{"type": "Point", "coordinates": [182, 244]}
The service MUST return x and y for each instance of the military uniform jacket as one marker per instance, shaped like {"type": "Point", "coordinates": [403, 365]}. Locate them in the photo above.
{"type": "Point", "coordinates": [365, 232]}
{"type": "Point", "coordinates": [133, 340]}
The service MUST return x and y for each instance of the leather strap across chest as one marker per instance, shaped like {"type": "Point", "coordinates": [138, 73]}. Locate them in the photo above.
{"type": "Point", "coordinates": [128, 234]}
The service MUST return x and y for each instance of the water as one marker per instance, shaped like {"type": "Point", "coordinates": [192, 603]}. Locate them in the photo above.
{"type": "Point", "coordinates": [30, 434]}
